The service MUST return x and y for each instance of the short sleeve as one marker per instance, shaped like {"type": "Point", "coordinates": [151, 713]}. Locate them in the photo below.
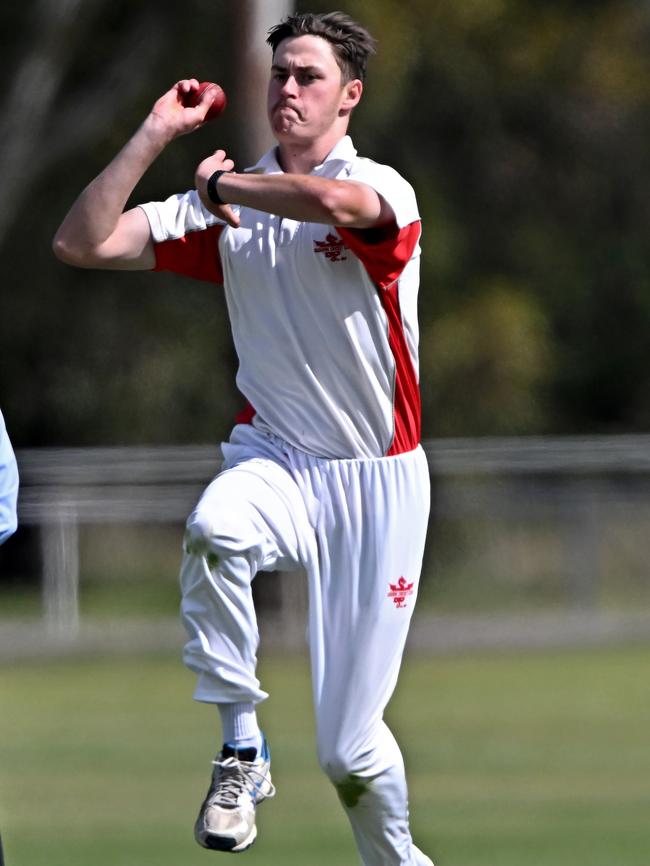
{"type": "Point", "coordinates": [386, 251]}
{"type": "Point", "coordinates": [391, 186]}
{"type": "Point", "coordinates": [186, 237]}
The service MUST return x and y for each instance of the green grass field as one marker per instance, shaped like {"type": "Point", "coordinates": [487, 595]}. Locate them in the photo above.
{"type": "Point", "coordinates": [513, 760]}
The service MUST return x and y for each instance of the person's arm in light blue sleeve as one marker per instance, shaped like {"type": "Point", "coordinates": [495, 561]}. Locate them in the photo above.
{"type": "Point", "coordinates": [8, 485]}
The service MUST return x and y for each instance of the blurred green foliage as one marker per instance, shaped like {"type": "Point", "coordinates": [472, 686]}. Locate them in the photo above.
{"type": "Point", "coordinates": [524, 130]}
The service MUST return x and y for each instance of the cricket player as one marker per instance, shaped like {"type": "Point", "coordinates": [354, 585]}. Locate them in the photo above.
{"type": "Point", "coordinates": [318, 252]}
{"type": "Point", "coordinates": [8, 485]}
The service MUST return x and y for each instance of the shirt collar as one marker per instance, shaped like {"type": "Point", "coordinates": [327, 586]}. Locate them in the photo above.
{"type": "Point", "coordinates": [340, 156]}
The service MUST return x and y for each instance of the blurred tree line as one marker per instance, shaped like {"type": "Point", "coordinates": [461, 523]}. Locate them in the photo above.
{"type": "Point", "coordinates": [523, 126]}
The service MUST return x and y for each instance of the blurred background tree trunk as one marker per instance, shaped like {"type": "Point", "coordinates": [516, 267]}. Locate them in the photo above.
{"type": "Point", "coordinates": [33, 135]}
{"type": "Point", "coordinates": [255, 19]}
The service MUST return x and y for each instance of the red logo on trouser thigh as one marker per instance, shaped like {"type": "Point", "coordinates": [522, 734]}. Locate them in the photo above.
{"type": "Point", "coordinates": [400, 591]}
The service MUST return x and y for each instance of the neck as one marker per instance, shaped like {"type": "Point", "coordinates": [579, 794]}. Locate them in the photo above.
{"type": "Point", "coordinates": [297, 157]}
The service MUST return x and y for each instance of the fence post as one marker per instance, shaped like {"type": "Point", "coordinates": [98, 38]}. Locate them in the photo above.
{"type": "Point", "coordinates": [583, 546]}
{"type": "Point", "coordinates": [60, 552]}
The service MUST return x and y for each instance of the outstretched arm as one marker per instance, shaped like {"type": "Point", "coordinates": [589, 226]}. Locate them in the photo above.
{"type": "Point", "coordinates": [97, 233]}
{"type": "Point", "coordinates": [299, 197]}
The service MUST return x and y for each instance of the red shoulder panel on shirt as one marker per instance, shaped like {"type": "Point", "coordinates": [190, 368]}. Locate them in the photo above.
{"type": "Point", "coordinates": [195, 255]}
{"type": "Point", "coordinates": [384, 251]}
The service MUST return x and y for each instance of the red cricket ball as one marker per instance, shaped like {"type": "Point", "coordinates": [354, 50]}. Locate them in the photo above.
{"type": "Point", "coordinates": [218, 103]}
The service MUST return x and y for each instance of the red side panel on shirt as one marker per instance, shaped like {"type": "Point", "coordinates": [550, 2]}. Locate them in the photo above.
{"type": "Point", "coordinates": [384, 254]}
{"type": "Point", "coordinates": [196, 255]}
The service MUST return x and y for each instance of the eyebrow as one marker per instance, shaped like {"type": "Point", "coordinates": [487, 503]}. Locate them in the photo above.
{"type": "Point", "coordinates": [277, 67]}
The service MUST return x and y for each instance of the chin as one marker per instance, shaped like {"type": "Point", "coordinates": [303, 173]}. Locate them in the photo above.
{"type": "Point", "coordinates": [289, 133]}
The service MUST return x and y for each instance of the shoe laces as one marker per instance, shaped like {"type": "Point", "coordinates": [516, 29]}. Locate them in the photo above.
{"type": "Point", "coordinates": [232, 778]}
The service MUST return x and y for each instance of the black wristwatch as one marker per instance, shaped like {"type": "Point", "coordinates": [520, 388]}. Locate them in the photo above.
{"type": "Point", "coordinates": [213, 195]}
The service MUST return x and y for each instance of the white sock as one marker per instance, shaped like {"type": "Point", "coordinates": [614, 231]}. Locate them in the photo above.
{"type": "Point", "coordinates": [239, 725]}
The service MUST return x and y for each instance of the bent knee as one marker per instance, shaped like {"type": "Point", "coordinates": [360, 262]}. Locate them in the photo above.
{"type": "Point", "coordinates": [341, 770]}
{"type": "Point", "coordinates": [337, 764]}
{"type": "Point", "coordinates": [198, 534]}
{"type": "Point", "coordinates": [213, 533]}
{"type": "Point", "coordinates": [222, 533]}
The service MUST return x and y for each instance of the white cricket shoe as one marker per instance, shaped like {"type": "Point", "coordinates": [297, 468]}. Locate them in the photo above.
{"type": "Point", "coordinates": [240, 780]}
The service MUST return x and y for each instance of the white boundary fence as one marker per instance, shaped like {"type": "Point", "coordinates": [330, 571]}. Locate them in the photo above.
{"type": "Point", "coordinates": [62, 489]}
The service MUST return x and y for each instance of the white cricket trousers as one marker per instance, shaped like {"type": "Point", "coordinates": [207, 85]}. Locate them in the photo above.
{"type": "Point", "coordinates": [358, 528]}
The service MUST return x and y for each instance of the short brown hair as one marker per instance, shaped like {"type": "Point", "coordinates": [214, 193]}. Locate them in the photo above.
{"type": "Point", "coordinates": [351, 43]}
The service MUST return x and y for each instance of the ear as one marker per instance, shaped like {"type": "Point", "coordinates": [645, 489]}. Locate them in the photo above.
{"type": "Point", "coordinates": [352, 91]}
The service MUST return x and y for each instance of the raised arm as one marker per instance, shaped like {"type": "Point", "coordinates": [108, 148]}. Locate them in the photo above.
{"type": "Point", "coordinates": [97, 232]}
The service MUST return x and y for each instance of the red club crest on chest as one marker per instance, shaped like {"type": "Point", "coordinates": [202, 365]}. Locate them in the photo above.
{"type": "Point", "coordinates": [400, 591]}
{"type": "Point", "coordinates": [332, 248]}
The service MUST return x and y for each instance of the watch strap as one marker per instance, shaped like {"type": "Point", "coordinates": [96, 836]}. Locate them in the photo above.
{"type": "Point", "coordinates": [213, 194]}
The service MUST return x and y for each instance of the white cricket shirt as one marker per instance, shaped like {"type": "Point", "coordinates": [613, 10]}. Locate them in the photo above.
{"type": "Point", "coordinates": [324, 319]}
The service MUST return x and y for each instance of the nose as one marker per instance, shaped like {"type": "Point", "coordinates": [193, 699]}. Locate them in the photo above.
{"type": "Point", "coordinates": [290, 86]}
